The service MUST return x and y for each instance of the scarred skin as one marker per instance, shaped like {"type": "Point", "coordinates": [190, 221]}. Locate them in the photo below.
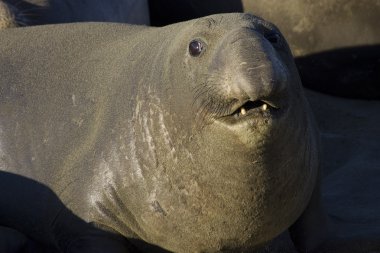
{"type": "Point", "coordinates": [119, 132]}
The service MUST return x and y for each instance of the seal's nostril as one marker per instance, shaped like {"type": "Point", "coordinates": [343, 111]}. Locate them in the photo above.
{"type": "Point", "coordinates": [273, 38]}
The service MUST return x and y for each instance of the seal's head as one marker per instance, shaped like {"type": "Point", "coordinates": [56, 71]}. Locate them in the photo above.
{"type": "Point", "coordinates": [232, 150]}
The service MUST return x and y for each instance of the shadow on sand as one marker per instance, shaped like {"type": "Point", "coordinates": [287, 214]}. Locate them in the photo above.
{"type": "Point", "coordinates": [352, 72]}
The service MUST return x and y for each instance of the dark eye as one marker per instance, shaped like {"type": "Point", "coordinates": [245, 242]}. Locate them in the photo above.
{"type": "Point", "coordinates": [195, 48]}
{"type": "Point", "coordinates": [273, 38]}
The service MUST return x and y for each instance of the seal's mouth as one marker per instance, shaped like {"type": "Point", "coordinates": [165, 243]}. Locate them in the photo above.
{"type": "Point", "coordinates": [254, 109]}
{"type": "Point", "coordinates": [251, 107]}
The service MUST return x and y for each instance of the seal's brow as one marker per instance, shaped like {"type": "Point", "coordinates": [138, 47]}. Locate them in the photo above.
{"type": "Point", "coordinates": [255, 22]}
{"type": "Point", "coordinates": [248, 17]}
{"type": "Point", "coordinates": [209, 22]}
{"type": "Point", "coordinates": [251, 19]}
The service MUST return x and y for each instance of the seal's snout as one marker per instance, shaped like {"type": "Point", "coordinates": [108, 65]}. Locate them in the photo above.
{"type": "Point", "coordinates": [261, 74]}
{"type": "Point", "coordinates": [264, 88]}
{"type": "Point", "coordinates": [247, 72]}
{"type": "Point", "coordinates": [259, 79]}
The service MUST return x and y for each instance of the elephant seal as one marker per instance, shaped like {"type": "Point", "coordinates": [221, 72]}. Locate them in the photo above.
{"type": "Point", "coordinates": [194, 137]}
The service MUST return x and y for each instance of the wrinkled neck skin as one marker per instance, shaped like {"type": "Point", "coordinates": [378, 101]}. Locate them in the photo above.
{"type": "Point", "coordinates": [148, 149]}
{"type": "Point", "coordinates": [193, 184]}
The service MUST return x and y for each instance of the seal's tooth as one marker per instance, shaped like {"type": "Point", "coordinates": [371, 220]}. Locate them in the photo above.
{"type": "Point", "coordinates": [243, 111]}
{"type": "Point", "coordinates": [264, 107]}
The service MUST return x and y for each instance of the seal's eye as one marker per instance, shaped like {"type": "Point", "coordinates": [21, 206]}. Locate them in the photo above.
{"type": "Point", "coordinates": [195, 48]}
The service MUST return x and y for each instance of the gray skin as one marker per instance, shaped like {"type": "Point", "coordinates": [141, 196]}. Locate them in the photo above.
{"type": "Point", "coordinates": [118, 128]}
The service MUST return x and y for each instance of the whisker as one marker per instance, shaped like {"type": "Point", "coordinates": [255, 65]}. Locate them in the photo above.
{"type": "Point", "coordinates": [20, 23]}
{"type": "Point", "coordinates": [257, 67]}
{"type": "Point", "coordinates": [210, 100]}
{"type": "Point", "coordinates": [32, 9]}
{"type": "Point", "coordinates": [27, 14]}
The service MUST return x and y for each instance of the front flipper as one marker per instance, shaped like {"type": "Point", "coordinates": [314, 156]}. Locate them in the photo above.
{"type": "Point", "coordinates": [11, 240]}
{"type": "Point", "coordinates": [99, 243]}
{"type": "Point", "coordinates": [94, 243]}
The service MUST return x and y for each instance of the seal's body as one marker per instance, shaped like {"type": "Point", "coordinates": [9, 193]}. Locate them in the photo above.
{"type": "Point", "coordinates": [195, 137]}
